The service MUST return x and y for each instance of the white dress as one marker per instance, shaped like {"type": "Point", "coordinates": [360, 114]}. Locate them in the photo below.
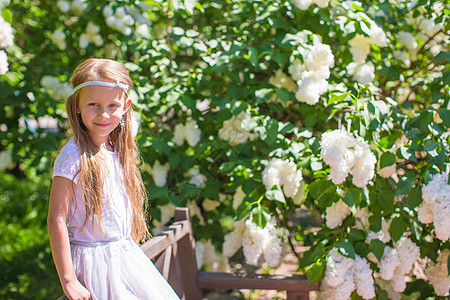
{"type": "Point", "coordinates": [108, 262]}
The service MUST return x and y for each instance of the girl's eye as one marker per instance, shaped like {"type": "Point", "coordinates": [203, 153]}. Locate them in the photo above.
{"type": "Point", "coordinates": [92, 104]}
{"type": "Point", "coordinates": [114, 105]}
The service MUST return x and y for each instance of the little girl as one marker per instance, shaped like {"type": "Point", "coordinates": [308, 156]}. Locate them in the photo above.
{"type": "Point", "coordinates": [96, 213]}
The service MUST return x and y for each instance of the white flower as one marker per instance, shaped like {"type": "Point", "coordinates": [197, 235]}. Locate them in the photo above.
{"type": "Point", "coordinates": [159, 173]}
{"type": "Point", "coordinates": [429, 27]}
{"type": "Point", "coordinates": [107, 11]}
{"type": "Point", "coordinates": [64, 6]}
{"type": "Point", "coordinates": [6, 34]}
{"type": "Point", "coordinates": [283, 173]}
{"type": "Point", "coordinates": [362, 218]}
{"type": "Point", "coordinates": [407, 40]}
{"type": "Point", "coordinates": [403, 57]}
{"type": "Point", "coordinates": [437, 274]}
{"type": "Point", "coordinates": [197, 179]}
{"type": "Point", "coordinates": [363, 277]}
{"type": "Point", "coordinates": [5, 160]}
{"type": "Point", "coordinates": [199, 251]}
{"type": "Point", "coordinates": [296, 70]}
{"type": "Point", "coordinates": [310, 90]}
{"type": "Point", "coordinates": [118, 20]}
{"type": "Point", "coordinates": [436, 205]}
{"type": "Point", "coordinates": [59, 38]}
{"type": "Point", "coordinates": [397, 262]}
{"type": "Point", "coordinates": [189, 132]}
{"type": "Point", "coordinates": [321, 3]}
{"type": "Point", "coordinates": [359, 47]}
{"type": "Point", "coordinates": [238, 197]}
{"type": "Point", "coordinates": [210, 205]}
{"type": "Point", "coordinates": [77, 7]}
{"type": "Point", "coordinates": [361, 71]}
{"type": "Point", "coordinates": [281, 80]}
{"type": "Point", "coordinates": [377, 35]}
{"type": "Point", "coordinates": [344, 153]}
{"type": "Point", "coordinates": [3, 62]}
{"type": "Point", "coordinates": [302, 4]}
{"type": "Point", "coordinates": [58, 90]}
{"type": "Point", "coordinates": [233, 132]}
{"type": "Point", "coordinates": [336, 213]}
{"type": "Point", "coordinates": [91, 35]}
{"type": "Point", "coordinates": [266, 241]}
{"type": "Point", "coordinates": [167, 213]}
{"type": "Point", "coordinates": [319, 55]}
{"type": "Point", "coordinates": [233, 240]}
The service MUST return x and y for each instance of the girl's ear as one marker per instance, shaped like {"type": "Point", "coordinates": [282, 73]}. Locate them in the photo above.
{"type": "Point", "coordinates": [127, 105]}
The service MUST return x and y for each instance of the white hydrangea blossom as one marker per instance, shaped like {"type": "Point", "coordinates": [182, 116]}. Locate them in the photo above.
{"type": "Point", "coordinates": [4, 66]}
{"type": "Point", "coordinates": [205, 252]}
{"type": "Point", "coordinates": [336, 213]}
{"type": "Point", "coordinates": [59, 38]}
{"type": "Point", "coordinates": [316, 70]}
{"type": "Point", "coordinates": [282, 80]}
{"type": "Point", "coordinates": [259, 241]}
{"type": "Point", "coordinates": [296, 70]}
{"type": "Point", "coordinates": [64, 6]}
{"type": "Point", "coordinates": [283, 173]}
{"type": "Point", "coordinates": [5, 160]}
{"type": "Point", "coordinates": [305, 4]}
{"type": "Point", "coordinates": [196, 178]}
{"type": "Point", "coordinates": [397, 262]}
{"type": "Point", "coordinates": [119, 20]}
{"type": "Point", "coordinates": [407, 40]}
{"type": "Point", "coordinates": [344, 153]}
{"type": "Point", "coordinates": [58, 90]}
{"type": "Point", "coordinates": [437, 274]}
{"type": "Point", "coordinates": [220, 265]}
{"type": "Point", "coordinates": [233, 132]}
{"type": "Point", "coordinates": [189, 132]}
{"type": "Point", "coordinates": [167, 213]}
{"type": "Point", "coordinates": [362, 218]}
{"type": "Point", "coordinates": [159, 173]}
{"type": "Point", "coordinates": [6, 34]}
{"type": "Point", "coordinates": [436, 205]}
{"type": "Point", "coordinates": [359, 47]}
{"type": "Point", "coordinates": [403, 57]}
{"type": "Point", "coordinates": [92, 35]}
{"type": "Point", "coordinates": [361, 71]}
{"type": "Point", "coordinates": [343, 275]}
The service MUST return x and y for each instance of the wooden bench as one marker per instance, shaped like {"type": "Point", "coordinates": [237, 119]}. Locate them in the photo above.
{"type": "Point", "coordinates": [173, 253]}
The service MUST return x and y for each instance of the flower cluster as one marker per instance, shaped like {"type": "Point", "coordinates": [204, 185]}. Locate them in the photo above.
{"type": "Point", "coordinates": [92, 35]}
{"type": "Point", "coordinates": [343, 275]}
{"type": "Point", "coordinates": [305, 4]}
{"type": "Point", "coordinates": [59, 38]}
{"type": "Point", "coordinates": [282, 173]}
{"type": "Point", "coordinates": [344, 153]}
{"type": "Point", "coordinates": [6, 39]}
{"type": "Point", "coordinates": [359, 69]}
{"type": "Point", "coordinates": [437, 274]}
{"type": "Point", "coordinates": [159, 173]}
{"type": "Point", "coordinates": [435, 207]}
{"type": "Point", "coordinates": [312, 76]}
{"type": "Point", "coordinates": [233, 132]}
{"type": "Point", "coordinates": [119, 20]}
{"type": "Point", "coordinates": [397, 262]}
{"type": "Point", "coordinates": [189, 132]}
{"type": "Point", "coordinates": [196, 178]}
{"type": "Point", "coordinates": [204, 252]}
{"type": "Point", "coordinates": [336, 213]}
{"type": "Point", "coordinates": [57, 89]}
{"type": "Point", "coordinates": [256, 242]}
{"type": "Point", "coordinates": [282, 80]}
{"type": "Point", "coordinates": [76, 7]}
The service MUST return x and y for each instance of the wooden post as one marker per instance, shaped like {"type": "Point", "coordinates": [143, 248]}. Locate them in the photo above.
{"type": "Point", "coordinates": [186, 258]}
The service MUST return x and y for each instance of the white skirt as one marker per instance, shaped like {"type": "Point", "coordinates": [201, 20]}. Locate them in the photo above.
{"type": "Point", "coordinates": [119, 270]}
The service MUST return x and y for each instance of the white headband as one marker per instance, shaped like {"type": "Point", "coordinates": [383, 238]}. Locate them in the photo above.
{"type": "Point", "coordinates": [102, 83]}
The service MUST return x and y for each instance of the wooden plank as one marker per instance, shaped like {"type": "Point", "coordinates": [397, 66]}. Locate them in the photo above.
{"type": "Point", "coordinates": [215, 280]}
{"type": "Point", "coordinates": [186, 257]}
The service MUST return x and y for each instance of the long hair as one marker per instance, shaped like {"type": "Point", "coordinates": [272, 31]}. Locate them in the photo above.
{"type": "Point", "coordinates": [121, 139]}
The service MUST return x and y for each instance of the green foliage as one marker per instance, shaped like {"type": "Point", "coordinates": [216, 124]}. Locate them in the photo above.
{"type": "Point", "coordinates": [211, 61]}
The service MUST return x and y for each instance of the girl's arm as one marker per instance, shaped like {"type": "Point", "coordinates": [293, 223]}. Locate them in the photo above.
{"type": "Point", "coordinates": [60, 198]}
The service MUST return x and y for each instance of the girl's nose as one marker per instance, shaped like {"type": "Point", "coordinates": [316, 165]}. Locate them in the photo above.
{"type": "Point", "coordinates": [104, 114]}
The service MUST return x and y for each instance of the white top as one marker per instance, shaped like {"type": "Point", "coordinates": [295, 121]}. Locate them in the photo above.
{"type": "Point", "coordinates": [116, 207]}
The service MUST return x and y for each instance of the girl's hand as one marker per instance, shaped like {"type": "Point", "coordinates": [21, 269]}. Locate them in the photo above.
{"type": "Point", "coordinates": [74, 290]}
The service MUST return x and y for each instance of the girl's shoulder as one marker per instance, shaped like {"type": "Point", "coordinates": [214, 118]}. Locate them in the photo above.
{"type": "Point", "coordinates": [67, 162]}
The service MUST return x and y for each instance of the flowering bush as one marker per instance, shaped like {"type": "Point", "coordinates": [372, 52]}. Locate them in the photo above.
{"type": "Point", "coordinates": [254, 112]}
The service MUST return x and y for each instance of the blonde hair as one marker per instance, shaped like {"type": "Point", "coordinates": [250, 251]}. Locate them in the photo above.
{"type": "Point", "coordinates": [121, 139]}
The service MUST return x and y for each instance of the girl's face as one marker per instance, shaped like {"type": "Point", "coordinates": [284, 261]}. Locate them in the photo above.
{"type": "Point", "coordinates": [101, 110]}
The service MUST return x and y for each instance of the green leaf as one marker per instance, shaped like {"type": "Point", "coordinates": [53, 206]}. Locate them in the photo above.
{"type": "Point", "coordinates": [405, 185]}
{"type": "Point", "coordinates": [337, 98]}
{"type": "Point", "coordinates": [7, 15]}
{"type": "Point", "coordinates": [283, 94]}
{"type": "Point", "coordinates": [377, 248]}
{"type": "Point", "coordinates": [414, 198]}
{"type": "Point", "coordinates": [253, 56]}
{"type": "Point", "coordinates": [244, 209]}
{"type": "Point", "coordinates": [443, 56]}
{"type": "Point", "coordinates": [444, 114]}
{"type": "Point", "coordinates": [388, 141]}
{"type": "Point", "coordinates": [355, 235]}
{"type": "Point", "coordinates": [316, 271]}
{"type": "Point", "coordinates": [345, 248]}
{"type": "Point", "coordinates": [352, 197]}
{"type": "Point", "coordinates": [386, 200]}
{"type": "Point", "coordinates": [397, 228]}
{"type": "Point", "coordinates": [276, 195]}
{"type": "Point", "coordinates": [387, 159]}
{"type": "Point", "coordinates": [315, 253]}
